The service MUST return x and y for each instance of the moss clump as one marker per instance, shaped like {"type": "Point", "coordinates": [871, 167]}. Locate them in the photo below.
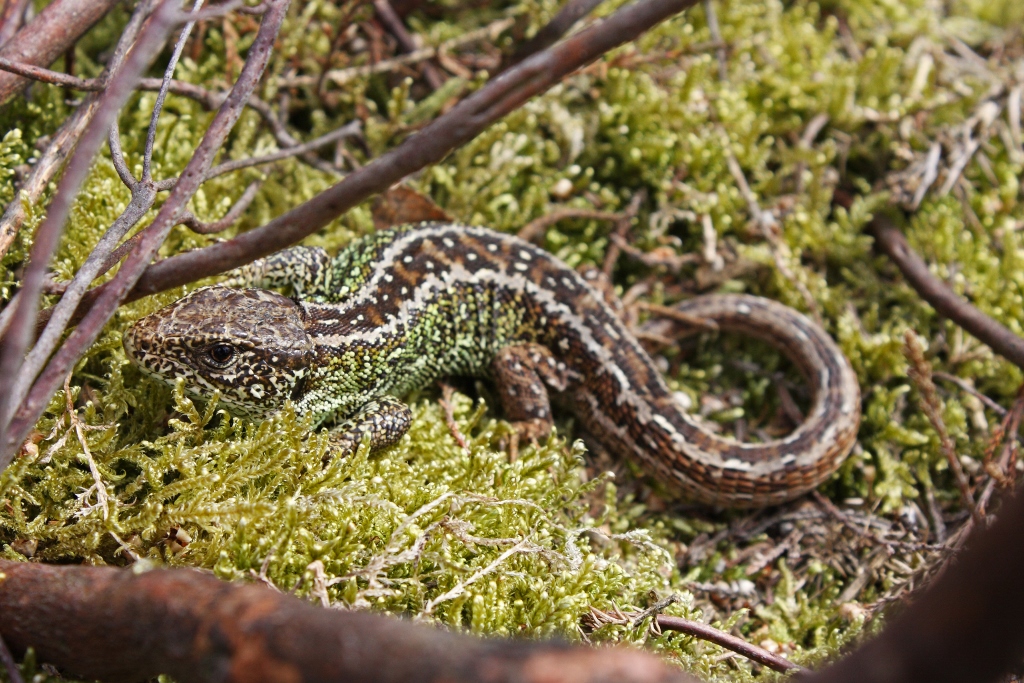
{"type": "Point", "coordinates": [468, 537]}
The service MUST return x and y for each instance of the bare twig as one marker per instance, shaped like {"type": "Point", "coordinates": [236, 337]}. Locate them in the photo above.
{"type": "Point", "coordinates": [38, 73]}
{"type": "Point", "coordinates": [190, 179]}
{"type": "Point", "coordinates": [158, 106]}
{"type": "Point", "coordinates": [941, 297]}
{"type": "Point", "coordinates": [343, 76]}
{"type": "Point", "coordinates": [49, 231]}
{"type": "Point", "coordinates": [53, 158]}
{"type": "Point", "coordinates": [679, 316]}
{"type": "Point", "coordinates": [622, 226]}
{"type": "Point", "coordinates": [535, 228]}
{"type": "Point", "coordinates": [722, 51]}
{"type": "Point", "coordinates": [973, 391]}
{"type": "Point", "coordinates": [920, 373]}
{"type": "Point", "coordinates": [10, 666]}
{"type": "Point", "coordinates": [728, 641]}
{"type": "Point", "coordinates": [393, 22]}
{"type": "Point", "coordinates": [234, 213]}
{"type": "Point", "coordinates": [449, 415]}
{"type": "Point", "coordinates": [11, 18]}
{"type": "Point", "coordinates": [48, 36]}
{"type": "Point", "coordinates": [552, 32]}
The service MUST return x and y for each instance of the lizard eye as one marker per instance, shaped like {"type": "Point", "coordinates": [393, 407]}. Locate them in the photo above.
{"type": "Point", "coordinates": [221, 353]}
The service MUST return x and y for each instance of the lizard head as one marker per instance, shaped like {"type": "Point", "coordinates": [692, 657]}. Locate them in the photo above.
{"type": "Point", "coordinates": [250, 344]}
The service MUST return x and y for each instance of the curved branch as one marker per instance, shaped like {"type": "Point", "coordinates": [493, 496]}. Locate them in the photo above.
{"type": "Point", "coordinates": [48, 36]}
{"type": "Point", "coordinates": [941, 297]}
{"type": "Point", "coordinates": [118, 625]}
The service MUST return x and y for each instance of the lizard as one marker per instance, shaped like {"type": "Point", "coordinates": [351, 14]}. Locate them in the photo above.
{"type": "Point", "coordinates": [399, 308]}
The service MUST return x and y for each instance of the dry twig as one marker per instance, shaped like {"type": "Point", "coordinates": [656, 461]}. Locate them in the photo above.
{"type": "Point", "coordinates": [941, 297]}
{"type": "Point", "coordinates": [920, 372]}
{"type": "Point", "coordinates": [48, 36]}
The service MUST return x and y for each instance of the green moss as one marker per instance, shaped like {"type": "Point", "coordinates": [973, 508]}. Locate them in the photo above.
{"type": "Point", "coordinates": [528, 547]}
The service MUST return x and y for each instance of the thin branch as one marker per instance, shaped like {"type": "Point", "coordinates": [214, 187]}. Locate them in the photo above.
{"type": "Point", "coordinates": [10, 20]}
{"type": "Point", "coordinates": [63, 141]}
{"type": "Point", "coordinates": [349, 130]}
{"type": "Point", "coordinates": [48, 36]}
{"type": "Point", "coordinates": [117, 157]}
{"type": "Point", "coordinates": [941, 297]}
{"type": "Point", "coordinates": [158, 106]}
{"type": "Point", "coordinates": [535, 228]}
{"type": "Point", "coordinates": [234, 213]}
{"type": "Point", "coordinates": [38, 73]}
{"type": "Point", "coordinates": [552, 32]}
{"type": "Point", "coordinates": [190, 179]}
{"type": "Point", "coordinates": [386, 13]}
{"type": "Point", "coordinates": [49, 231]}
{"type": "Point", "coordinates": [920, 373]}
{"type": "Point", "coordinates": [343, 76]}
{"type": "Point", "coordinates": [728, 641]}
{"type": "Point", "coordinates": [10, 666]}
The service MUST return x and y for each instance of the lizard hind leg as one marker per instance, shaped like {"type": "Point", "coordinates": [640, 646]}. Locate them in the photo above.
{"type": "Point", "coordinates": [522, 375]}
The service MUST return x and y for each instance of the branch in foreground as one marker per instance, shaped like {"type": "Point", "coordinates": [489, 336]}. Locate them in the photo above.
{"type": "Point", "coordinates": [110, 297]}
{"type": "Point", "coordinates": [933, 290]}
{"type": "Point", "coordinates": [48, 36]}
{"type": "Point", "coordinates": [121, 626]}
{"type": "Point", "coordinates": [63, 141]}
{"type": "Point", "coordinates": [49, 231]}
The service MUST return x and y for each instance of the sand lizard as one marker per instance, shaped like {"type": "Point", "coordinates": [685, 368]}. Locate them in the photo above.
{"type": "Point", "coordinates": [399, 308]}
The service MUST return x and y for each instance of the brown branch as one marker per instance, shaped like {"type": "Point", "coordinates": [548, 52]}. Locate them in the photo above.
{"type": "Point", "coordinates": [728, 641]}
{"type": "Point", "coordinates": [49, 231]}
{"type": "Point", "coordinates": [234, 213]}
{"type": "Point", "coordinates": [535, 228]}
{"type": "Point", "coordinates": [387, 15]}
{"type": "Point", "coordinates": [941, 297]}
{"type": "Point", "coordinates": [10, 666]}
{"type": "Point", "coordinates": [63, 141]}
{"type": "Point", "coordinates": [111, 295]}
{"type": "Point", "coordinates": [38, 73]}
{"type": "Point", "coordinates": [552, 32]}
{"type": "Point", "coordinates": [101, 622]}
{"type": "Point", "coordinates": [920, 372]}
{"type": "Point", "coordinates": [48, 36]}
{"type": "Point", "coordinates": [11, 18]}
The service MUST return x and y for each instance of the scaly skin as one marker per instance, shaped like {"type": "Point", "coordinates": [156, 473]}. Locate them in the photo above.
{"type": "Point", "coordinates": [402, 307]}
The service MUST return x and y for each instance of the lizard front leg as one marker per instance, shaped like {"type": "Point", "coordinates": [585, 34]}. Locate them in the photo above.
{"type": "Point", "coordinates": [384, 420]}
{"type": "Point", "coordinates": [306, 271]}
